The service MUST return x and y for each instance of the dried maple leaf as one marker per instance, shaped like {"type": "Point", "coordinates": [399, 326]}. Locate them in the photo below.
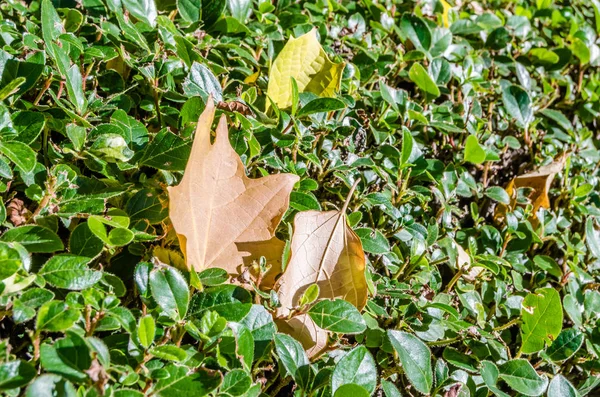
{"type": "Point", "coordinates": [326, 252]}
{"type": "Point", "coordinates": [217, 209]}
{"type": "Point", "coordinates": [538, 181]}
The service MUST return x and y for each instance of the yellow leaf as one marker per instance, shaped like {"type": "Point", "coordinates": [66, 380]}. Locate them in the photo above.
{"type": "Point", "coordinates": [252, 78]}
{"type": "Point", "coordinates": [305, 60]}
{"type": "Point", "coordinates": [445, 13]}
{"type": "Point", "coordinates": [216, 210]}
{"type": "Point", "coordinates": [326, 252]}
{"type": "Point", "coordinates": [538, 181]}
{"type": "Point", "coordinates": [169, 257]}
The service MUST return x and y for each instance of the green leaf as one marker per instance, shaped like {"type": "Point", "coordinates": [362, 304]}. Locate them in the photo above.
{"type": "Point", "coordinates": [28, 125]}
{"type": "Point", "coordinates": [240, 9]}
{"type": "Point", "coordinates": [34, 238]}
{"type": "Point", "coordinates": [20, 154]}
{"type": "Point", "coordinates": [236, 383]}
{"type": "Point", "coordinates": [75, 89]}
{"type": "Point", "coordinates": [146, 330]}
{"type": "Point", "coordinates": [180, 380]}
{"type": "Point", "coordinates": [51, 23]}
{"type": "Point", "coordinates": [518, 105]}
{"type": "Point", "coordinates": [144, 10]}
{"type": "Point", "coordinates": [213, 276]}
{"type": "Point", "coordinates": [170, 290]}
{"type": "Point", "coordinates": [10, 261]}
{"type": "Point", "coordinates": [351, 390]}
{"type": "Point", "coordinates": [55, 316]}
{"type": "Point", "coordinates": [310, 295]}
{"type": "Point", "coordinates": [167, 151]}
{"type": "Point", "coordinates": [474, 152]}
{"type": "Point", "coordinates": [85, 243]}
{"type": "Point", "coordinates": [389, 389]}
{"type": "Point", "coordinates": [337, 316]}
{"type": "Point", "coordinates": [489, 374]}
{"type": "Point", "coordinates": [15, 374]}
{"type": "Point", "coordinates": [374, 242]}
{"type": "Point", "coordinates": [415, 358]}
{"type": "Point", "coordinates": [229, 301]}
{"type": "Point", "coordinates": [498, 194]}
{"type": "Point", "coordinates": [291, 354]}
{"type": "Point", "coordinates": [68, 356]}
{"type": "Point", "coordinates": [118, 237]}
{"type": "Point", "coordinates": [417, 32]}
{"type": "Point", "coordinates": [542, 319]}
{"type": "Point", "coordinates": [561, 387]}
{"type": "Point", "coordinates": [48, 385]}
{"type": "Point", "coordinates": [418, 75]}
{"type": "Point", "coordinates": [212, 11]}
{"type": "Point", "coordinates": [169, 352]}
{"type": "Point", "coordinates": [202, 82]}
{"type": "Point", "coordinates": [569, 341]}
{"type": "Point", "coordinates": [356, 367]}
{"type": "Point", "coordinates": [11, 88]}
{"type": "Point", "coordinates": [190, 10]}
{"type": "Point", "coordinates": [520, 375]}
{"type": "Point", "coordinates": [70, 272]}
{"type": "Point", "coordinates": [592, 237]}
{"type": "Point", "coordinates": [320, 105]}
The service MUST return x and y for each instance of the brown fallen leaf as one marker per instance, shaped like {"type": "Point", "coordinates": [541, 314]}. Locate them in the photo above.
{"type": "Point", "coordinates": [538, 181]}
{"type": "Point", "coordinates": [235, 106]}
{"type": "Point", "coordinates": [326, 252]}
{"type": "Point", "coordinates": [216, 208]}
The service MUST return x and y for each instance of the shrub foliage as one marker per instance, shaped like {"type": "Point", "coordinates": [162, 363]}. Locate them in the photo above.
{"type": "Point", "coordinates": [468, 130]}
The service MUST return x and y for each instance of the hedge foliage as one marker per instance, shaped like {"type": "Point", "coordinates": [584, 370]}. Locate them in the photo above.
{"type": "Point", "coordinates": [469, 127]}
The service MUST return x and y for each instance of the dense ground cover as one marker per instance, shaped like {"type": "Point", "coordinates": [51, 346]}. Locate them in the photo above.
{"type": "Point", "coordinates": [458, 140]}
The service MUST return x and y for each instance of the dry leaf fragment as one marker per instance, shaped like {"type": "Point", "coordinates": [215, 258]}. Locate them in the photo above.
{"type": "Point", "coordinates": [305, 331]}
{"type": "Point", "coordinates": [216, 209]}
{"type": "Point", "coordinates": [304, 59]}
{"type": "Point", "coordinates": [272, 251]}
{"type": "Point", "coordinates": [463, 260]}
{"type": "Point", "coordinates": [539, 181]}
{"type": "Point", "coordinates": [17, 213]}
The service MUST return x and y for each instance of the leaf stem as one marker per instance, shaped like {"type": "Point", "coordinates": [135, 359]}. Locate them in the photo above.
{"type": "Point", "coordinates": [349, 197]}
{"type": "Point", "coordinates": [508, 324]}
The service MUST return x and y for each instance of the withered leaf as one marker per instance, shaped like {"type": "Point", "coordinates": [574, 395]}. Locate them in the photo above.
{"type": "Point", "coordinates": [326, 252]}
{"type": "Point", "coordinates": [538, 181]}
{"type": "Point", "coordinates": [216, 210]}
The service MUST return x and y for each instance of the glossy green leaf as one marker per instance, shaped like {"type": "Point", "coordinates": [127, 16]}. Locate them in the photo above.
{"type": "Point", "coordinates": [522, 377]}
{"type": "Point", "coordinates": [170, 291]}
{"type": "Point", "coordinates": [337, 316]}
{"type": "Point", "coordinates": [356, 367]}
{"type": "Point", "coordinates": [70, 272]}
{"type": "Point", "coordinates": [415, 358]}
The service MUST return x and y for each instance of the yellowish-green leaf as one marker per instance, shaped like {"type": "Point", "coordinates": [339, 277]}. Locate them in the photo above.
{"type": "Point", "coordinates": [304, 59]}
